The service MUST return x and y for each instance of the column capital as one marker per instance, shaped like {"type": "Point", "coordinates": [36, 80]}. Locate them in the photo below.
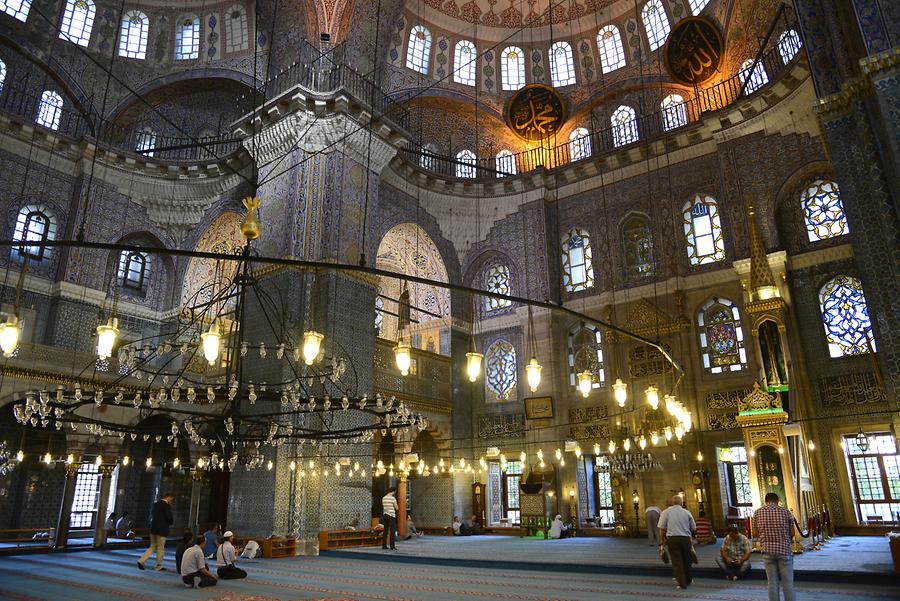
{"type": "Point", "coordinates": [72, 470]}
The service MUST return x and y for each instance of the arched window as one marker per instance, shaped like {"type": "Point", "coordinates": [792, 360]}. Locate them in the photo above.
{"type": "Point", "coordinates": [187, 38]}
{"type": "Point", "coordinates": [823, 211]}
{"type": "Point", "coordinates": [465, 163]}
{"type": "Point", "coordinates": [2, 74]}
{"type": "Point", "coordinates": [721, 336]}
{"type": "Point", "coordinates": [500, 369]}
{"type": "Point", "coordinates": [16, 8]}
{"type": "Point", "coordinates": [755, 79]}
{"type": "Point", "coordinates": [703, 230]}
{"type": "Point", "coordinates": [146, 142]}
{"type": "Point", "coordinates": [506, 163]}
{"type": "Point", "coordinates": [674, 113]}
{"type": "Point", "coordinates": [848, 329]}
{"type": "Point", "coordinates": [426, 159]}
{"type": "Point", "coordinates": [562, 65]}
{"type": "Point", "coordinates": [609, 43]}
{"type": "Point", "coordinates": [697, 5]}
{"type": "Point", "coordinates": [33, 224]}
{"type": "Point", "coordinates": [49, 110]}
{"type": "Point", "coordinates": [656, 23]}
{"type": "Point", "coordinates": [496, 280]}
{"type": "Point", "coordinates": [578, 269]}
{"type": "Point", "coordinates": [418, 52]}
{"type": "Point", "coordinates": [78, 21]}
{"type": "Point", "coordinates": [512, 68]}
{"type": "Point", "coordinates": [586, 354]}
{"type": "Point", "coordinates": [238, 36]}
{"type": "Point", "coordinates": [379, 315]}
{"type": "Point", "coordinates": [637, 247]}
{"type": "Point", "coordinates": [579, 144]}
{"type": "Point", "coordinates": [134, 270]}
{"type": "Point", "coordinates": [624, 126]}
{"type": "Point", "coordinates": [464, 61]}
{"type": "Point", "coordinates": [789, 45]}
{"type": "Point", "coordinates": [133, 35]}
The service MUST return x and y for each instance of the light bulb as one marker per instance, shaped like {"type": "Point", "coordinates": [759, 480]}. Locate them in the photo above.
{"type": "Point", "coordinates": [176, 462]}
{"type": "Point", "coordinates": [699, 456]}
{"type": "Point", "coordinates": [99, 461]}
{"type": "Point", "coordinates": [540, 454]}
{"type": "Point", "coordinates": [48, 458]}
{"type": "Point", "coordinates": [811, 445]}
{"type": "Point", "coordinates": [70, 459]}
{"type": "Point", "coordinates": [9, 335]}
{"type": "Point", "coordinates": [20, 455]}
{"type": "Point", "coordinates": [642, 442]}
{"type": "Point", "coordinates": [626, 444]}
{"type": "Point", "coordinates": [654, 438]}
{"type": "Point", "coordinates": [533, 374]}
{"type": "Point", "coordinates": [126, 460]}
{"type": "Point", "coordinates": [106, 338]}
{"type": "Point", "coordinates": [620, 392]}
{"type": "Point", "coordinates": [679, 431]}
{"type": "Point", "coordinates": [578, 451]}
{"type": "Point", "coordinates": [149, 462]}
{"type": "Point", "coordinates": [270, 465]}
{"type": "Point", "coordinates": [780, 450]}
{"type": "Point", "coordinates": [670, 404]}
{"type": "Point", "coordinates": [293, 465]}
{"type": "Point", "coordinates": [668, 433]}
{"type": "Point", "coordinates": [523, 457]}
{"type": "Point", "coordinates": [652, 395]}
{"type": "Point", "coordinates": [611, 447]}
{"type": "Point", "coordinates": [211, 340]}
{"type": "Point", "coordinates": [596, 449]}
{"type": "Point", "coordinates": [312, 343]}
{"type": "Point", "coordinates": [562, 462]}
{"type": "Point", "coordinates": [403, 357]}
{"type": "Point", "coordinates": [585, 383]}
{"type": "Point", "coordinates": [558, 454]}
{"type": "Point", "coordinates": [473, 365]}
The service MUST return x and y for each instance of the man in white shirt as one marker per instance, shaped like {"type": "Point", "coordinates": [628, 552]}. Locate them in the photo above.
{"type": "Point", "coordinates": [652, 515]}
{"type": "Point", "coordinates": [389, 518]}
{"type": "Point", "coordinates": [194, 568]}
{"type": "Point", "coordinates": [676, 526]}
{"type": "Point", "coordinates": [456, 525]}
{"type": "Point", "coordinates": [225, 556]}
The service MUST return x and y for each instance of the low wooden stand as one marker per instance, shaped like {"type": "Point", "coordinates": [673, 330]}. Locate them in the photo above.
{"type": "Point", "coordinates": [279, 547]}
{"type": "Point", "coordinates": [338, 539]}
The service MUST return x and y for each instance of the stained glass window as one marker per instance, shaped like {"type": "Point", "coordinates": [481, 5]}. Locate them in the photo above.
{"type": "Point", "coordinates": [49, 110]}
{"type": "Point", "coordinates": [16, 8]}
{"type": "Point", "coordinates": [609, 43]}
{"type": "Point", "coordinates": [697, 5]}
{"type": "Point", "coordinates": [33, 224]}
{"type": "Point", "coordinates": [418, 52]}
{"type": "Point", "coordinates": [674, 113]}
{"type": "Point", "coordinates": [656, 23]}
{"type": "Point", "coordinates": [586, 354]}
{"type": "Point", "coordinates": [579, 144]}
{"type": "Point", "coordinates": [755, 78]}
{"type": "Point", "coordinates": [562, 65]}
{"type": "Point", "coordinates": [789, 45]}
{"type": "Point", "coordinates": [848, 329]}
{"type": "Point", "coordinates": [721, 336]}
{"type": "Point", "coordinates": [578, 270]}
{"type": "Point", "coordinates": [465, 163]}
{"type": "Point", "coordinates": [506, 163]}
{"type": "Point", "coordinates": [134, 270]}
{"type": "Point", "coordinates": [133, 35]}
{"type": "Point", "coordinates": [187, 38]}
{"type": "Point", "coordinates": [624, 126]}
{"type": "Point", "coordinates": [703, 230]}
{"type": "Point", "coordinates": [823, 211]}
{"type": "Point", "coordinates": [237, 30]}
{"type": "Point", "coordinates": [496, 279]}
{"type": "Point", "coordinates": [379, 315]}
{"type": "Point", "coordinates": [500, 361]}
{"type": "Point", "coordinates": [78, 21]}
{"type": "Point", "coordinates": [464, 62]}
{"type": "Point", "coordinates": [512, 67]}
{"type": "Point", "coordinates": [146, 142]}
{"type": "Point", "coordinates": [637, 246]}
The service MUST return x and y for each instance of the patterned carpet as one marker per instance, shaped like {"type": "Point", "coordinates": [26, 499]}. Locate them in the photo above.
{"type": "Point", "coordinates": [109, 575]}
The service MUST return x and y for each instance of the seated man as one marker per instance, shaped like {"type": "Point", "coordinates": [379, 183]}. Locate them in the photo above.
{"type": "Point", "coordinates": [194, 570]}
{"type": "Point", "coordinates": [225, 556]}
{"type": "Point", "coordinates": [411, 527]}
{"type": "Point", "coordinates": [187, 541]}
{"type": "Point", "coordinates": [735, 554]}
{"type": "Point", "coordinates": [123, 526]}
{"type": "Point", "coordinates": [705, 534]}
{"type": "Point", "coordinates": [557, 528]}
{"type": "Point", "coordinates": [212, 540]}
{"type": "Point", "coordinates": [456, 526]}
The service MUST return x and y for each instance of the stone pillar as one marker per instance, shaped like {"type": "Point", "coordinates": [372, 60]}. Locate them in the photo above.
{"type": "Point", "coordinates": [65, 509]}
{"type": "Point", "coordinates": [106, 472]}
{"type": "Point", "coordinates": [401, 506]}
{"type": "Point", "coordinates": [194, 511]}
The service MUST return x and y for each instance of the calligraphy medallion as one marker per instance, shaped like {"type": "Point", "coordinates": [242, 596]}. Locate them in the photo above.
{"type": "Point", "coordinates": [694, 51]}
{"type": "Point", "coordinates": [535, 112]}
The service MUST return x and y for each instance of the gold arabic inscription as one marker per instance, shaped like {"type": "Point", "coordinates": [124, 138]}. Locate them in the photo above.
{"type": "Point", "coordinates": [694, 51]}
{"type": "Point", "coordinates": [535, 112]}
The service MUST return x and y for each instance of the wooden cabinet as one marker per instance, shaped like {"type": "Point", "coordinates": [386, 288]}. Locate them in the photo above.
{"type": "Point", "coordinates": [279, 547]}
{"type": "Point", "coordinates": [337, 539]}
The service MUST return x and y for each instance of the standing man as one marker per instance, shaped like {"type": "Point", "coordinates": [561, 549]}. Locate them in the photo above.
{"type": "Point", "coordinates": [773, 525]}
{"type": "Point", "coordinates": [652, 516]}
{"type": "Point", "coordinates": [676, 526]}
{"type": "Point", "coordinates": [159, 530]}
{"type": "Point", "coordinates": [389, 518]}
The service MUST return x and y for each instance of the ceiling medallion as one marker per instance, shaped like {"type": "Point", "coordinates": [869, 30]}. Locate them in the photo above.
{"type": "Point", "coordinates": [694, 51]}
{"type": "Point", "coordinates": [536, 112]}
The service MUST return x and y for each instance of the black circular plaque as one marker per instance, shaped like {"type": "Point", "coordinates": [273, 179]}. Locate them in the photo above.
{"type": "Point", "coordinates": [694, 51]}
{"type": "Point", "coordinates": [535, 112]}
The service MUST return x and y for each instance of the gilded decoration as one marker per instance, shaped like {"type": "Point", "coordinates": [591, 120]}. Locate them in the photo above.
{"type": "Point", "coordinates": [594, 432]}
{"type": "Point", "coordinates": [581, 419]}
{"type": "Point", "coordinates": [501, 426]}
{"type": "Point", "coordinates": [722, 408]}
{"type": "Point", "coordinates": [645, 360]}
{"type": "Point", "coordinates": [580, 415]}
{"type": "Point", "coordinates": [851, 389]}
{"type": "Point", "coordinates": [758, 437]}
{"type": "Point", "coordinates": [536, 112]}
{"type": "Point", "coordinates": [647, 320]}
{"type": "Point", "coordinates": [694, 51]}
{"type": "Point", "coordinates": [760, 400]}
{"type": "Point", "coordinates": [724, 421]}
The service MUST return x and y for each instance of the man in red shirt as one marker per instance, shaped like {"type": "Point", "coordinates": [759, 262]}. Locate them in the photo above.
{"type": "Point", "coordinates": [773, 526]}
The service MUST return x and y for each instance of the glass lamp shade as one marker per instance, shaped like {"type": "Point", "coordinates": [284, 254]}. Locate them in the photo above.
{"type": "Point", "coordinates": [9, 335]}
{"type": "Point", "coordinates": [670, 403]}
{"type": "Point", "coordinates": [668, 433]}
{"type": "Point", "coordinates": [126, 460]}
{"type": "Point", "coordinates": [473, 365]}
{"type": "Point", "coordinates": [611, 447]}
{"type": "Point", "coordinates": [312, 343]}
{"type": "Point", "coordinates": [862, 441]}
{"type": "Point", "coordinates": [626, 444]}
{"type": "Point", "coordinates": [70, 459]}
{"type": "Point", "coordinates": [585, 383]}
{"type": "Point", "coordinates": [48, 458]}
{"type": "Point", "coordinates": [403, 356]}
{"type": "Point", "coordinates": [523, 457]}
{"type": "Point", "coordinates": [652, 395]}
{"type": "Point", "coordinates": [596, 449]}
{"type": "Point", "coordinates": [620, 392]}
{"type": "Point", "coordinates": [679, 431]}
{"type": "Point", "coordinates": [654, 438]}
{"type": "Point", "coordinates": [20, 456]}
{"type": "Point", "coordinates": [211, 340]}
{"type": "Point", "coordinates": [149, 462]}
{"type": "Point", "coordinates": [642, 442]}
{"type": "Point", "coordinates": [533, 374]}
{"type": "Point", "coordinates": [106, 338]}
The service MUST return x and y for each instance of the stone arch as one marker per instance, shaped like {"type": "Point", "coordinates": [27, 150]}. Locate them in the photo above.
{"type": "Point", "coordinates": [158, 293]}
{"type": "Point", "coordinates": [489, 257]}
{"type": "Point", "coordinates": [784, 217]}
{"type": "Point", "coordinates": [222, 236]}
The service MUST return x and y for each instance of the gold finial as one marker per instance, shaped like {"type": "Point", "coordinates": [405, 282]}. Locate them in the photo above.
{"type": "Point", "coordinates": [250, 226]}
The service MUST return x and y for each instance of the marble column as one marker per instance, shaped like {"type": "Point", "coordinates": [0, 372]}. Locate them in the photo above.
{"type": "Point", "coordinates": [65, 509]}
{"type": "Point", "coordinates": [401, 506]}
{"type": "Point", "coordinates": [100, 534]}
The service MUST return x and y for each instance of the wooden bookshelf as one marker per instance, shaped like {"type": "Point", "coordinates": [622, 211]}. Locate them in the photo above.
{"type": "Point", "coordinates": [338, 539]}
{"type": "Point", "coordinates": [279, 547]}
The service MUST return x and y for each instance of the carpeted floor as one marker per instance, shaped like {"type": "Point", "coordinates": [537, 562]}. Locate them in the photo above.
{"type": "Point", "coordinates": [109, 575]}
